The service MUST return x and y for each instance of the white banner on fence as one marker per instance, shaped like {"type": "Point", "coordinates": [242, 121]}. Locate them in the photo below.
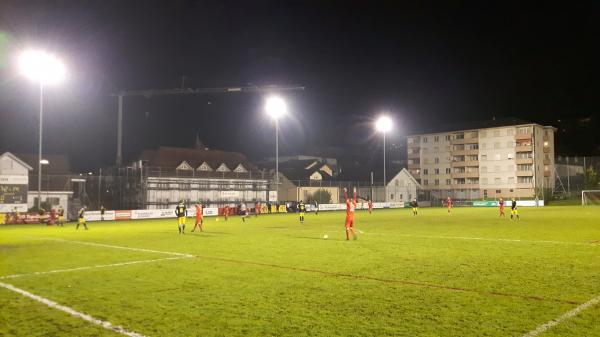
{"type": "Point", "coordinates": [95, 215]}
{"type": "Point", "coordinates": [360, 205]}
{"type": "Point", "coordinates": [331, 207]}
{"type": "Point", "coordinates": [14, 180]}
{"type": "Point", "coordinates": [137, 214]}
{"type": "Point", "coordinates": [527, 203]}
{"type": "Point", "coordinates": [9, 208]}
{"type": "Point", "coordinates": [272, 195]}
{"type": "Point", "coordinates": [231, 194]}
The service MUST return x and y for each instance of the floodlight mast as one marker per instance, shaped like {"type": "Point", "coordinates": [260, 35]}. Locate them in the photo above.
{"type": "Point", "coordinates": [384, 125]}
{"type": "Point", "coordinates": [44, 69]}
{"type": "Point", "coordinates": [276, 108]}
{"type": "Point", "coordinates": [185, 91]}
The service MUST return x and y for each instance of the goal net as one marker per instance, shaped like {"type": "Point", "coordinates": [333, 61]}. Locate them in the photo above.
{"type": "Point", "coordinates": [590, 197]}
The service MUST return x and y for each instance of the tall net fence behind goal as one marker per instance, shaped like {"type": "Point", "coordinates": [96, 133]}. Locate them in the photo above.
{"type": "Point", "coordinates": [590, 197]}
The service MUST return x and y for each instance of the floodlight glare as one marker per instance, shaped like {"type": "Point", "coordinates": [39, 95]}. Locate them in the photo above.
{"type": "Point", "coordinates": [41, 67]}
{"type": "Point", "coordinates": [44, 162]}
{"type": "Point", "coordinates": [383, 124]}
{"type": "Point", "coordinates": [276, 107]}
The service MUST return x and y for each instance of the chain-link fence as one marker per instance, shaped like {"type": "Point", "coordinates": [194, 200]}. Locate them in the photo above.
{"type": "Point", "coordinates": [574, 174]}
{"type": "Point", "coordinates": [155, 187]}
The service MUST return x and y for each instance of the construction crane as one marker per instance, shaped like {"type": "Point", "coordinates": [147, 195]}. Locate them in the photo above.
{"type": "Point", "coordinates": [185, 91]}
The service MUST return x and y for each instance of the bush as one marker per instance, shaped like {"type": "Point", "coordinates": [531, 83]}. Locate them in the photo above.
{"type": "Point", "coordinates": [45, 206]}
{"type": "Point", "coordinates": [321, 196]}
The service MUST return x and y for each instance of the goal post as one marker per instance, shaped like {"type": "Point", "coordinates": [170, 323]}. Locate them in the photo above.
{"type": "Point", "coordinates": [590, 197]}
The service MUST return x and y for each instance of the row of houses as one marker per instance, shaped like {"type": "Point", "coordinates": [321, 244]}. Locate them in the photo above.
{"type": "Point", "coordinates": [162, 177]}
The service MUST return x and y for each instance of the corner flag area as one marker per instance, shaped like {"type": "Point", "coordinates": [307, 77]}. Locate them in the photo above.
{"type": "Point", "coordinates": [467, 273]}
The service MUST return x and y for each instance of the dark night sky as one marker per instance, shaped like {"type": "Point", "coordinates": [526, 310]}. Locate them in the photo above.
{"type": "Point", "coordinates": [425, 64]}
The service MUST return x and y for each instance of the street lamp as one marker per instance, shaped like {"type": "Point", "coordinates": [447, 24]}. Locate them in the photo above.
{"type": "Point", "coordinates": [45, 69]}
{"type": "Point", "coordinates": [383, 125]}
{"type": "Point", "coordinates": [276, 108]}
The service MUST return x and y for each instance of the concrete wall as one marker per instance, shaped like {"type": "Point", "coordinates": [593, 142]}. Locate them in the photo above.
{"type": "Point", "coordinates": [62, 196]}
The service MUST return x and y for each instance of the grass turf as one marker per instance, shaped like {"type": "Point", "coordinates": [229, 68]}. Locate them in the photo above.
{"type": "Point", "coordinates": [465, 274]}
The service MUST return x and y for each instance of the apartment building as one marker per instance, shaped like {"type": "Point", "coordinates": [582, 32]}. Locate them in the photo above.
{"type": "Point", "coordinates": [488, 161]}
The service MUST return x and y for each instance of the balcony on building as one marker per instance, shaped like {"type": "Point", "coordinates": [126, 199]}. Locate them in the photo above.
{"type": "Point", "coordinates": [414, 155]}
{"type": "Point", "coordinates": [525, 185]}
{"type": "Point", "coordinates": [469, 137]}
{"type": "Point", "coordinates": [523, 147]}
{"type": "Point", "coordinates": [523, 136]}
{"type": "Point", "coordinates": [524, 160]}
{"type": "Point", "coordinates": [526, 173]}
{"type": "Point", "coordinates": [414, 166]}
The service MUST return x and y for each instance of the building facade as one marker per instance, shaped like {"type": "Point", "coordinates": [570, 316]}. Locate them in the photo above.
{"type": "Point", "coordinates": [403, 187]}
{"type": "Point", "coordinates": [163, 177]}
{"type": "Point", "coordinates": [504, 160]}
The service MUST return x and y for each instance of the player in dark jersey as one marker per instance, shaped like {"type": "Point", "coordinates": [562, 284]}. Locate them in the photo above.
{"type": "Point", "coordinates": [61, 215]}
{"type": "Point", "coordinates": [181, 213]}
{"type": "Point", "coordinates": [415, 206]}
{"type": "Point", "coordinates": [513, 209]}
{"type": "Point", "coordinates": [302, 210]}
{"type": "Point", "coordinates": [81, 216]}
{"type": "Point", "coordinates": [244, 211]}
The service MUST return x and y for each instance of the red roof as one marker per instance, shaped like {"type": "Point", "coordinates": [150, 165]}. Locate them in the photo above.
{"type": "Point", "coordinates": [171, 157]}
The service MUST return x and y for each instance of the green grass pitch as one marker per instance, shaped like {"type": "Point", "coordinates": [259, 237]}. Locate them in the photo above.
{"type": "Point", "coordinates": [464, 274]}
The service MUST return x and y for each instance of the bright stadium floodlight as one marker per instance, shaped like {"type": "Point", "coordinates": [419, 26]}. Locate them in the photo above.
{"type": "Point", "coordinates": [276, 108]}
{"type": "Point", "coordinates": [384, 125]}
{"type": "Point", "coordinates": [44, 162]}
{"type": "Point", "coordinates": [42, 68]}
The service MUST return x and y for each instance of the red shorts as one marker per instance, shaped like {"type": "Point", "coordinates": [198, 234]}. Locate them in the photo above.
{"type": "Point", "coordinates": [349, 222]}
{"type": "Point", "coordinates": [198, 219]}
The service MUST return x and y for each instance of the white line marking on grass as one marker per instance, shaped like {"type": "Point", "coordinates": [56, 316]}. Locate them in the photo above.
{"type": "Point", "coordinates": [92, 267]}
{"type": "Point", "coordinates": [120, 247]}
{"type": "Point", "coordinates": [495, 239]}
{"type": "Point", "coordinates": [543, 327]}
{"type": "Point", "coordinates": [72, 312]}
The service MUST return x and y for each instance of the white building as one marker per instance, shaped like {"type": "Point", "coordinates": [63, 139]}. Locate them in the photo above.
{"type": "Point", "coordinates": [402, 188]}
{"type": "Point", "coordinates": [499, 158]}
{"type": "Point", "coordinates": [14, 183]}
{"type": "Point", "coordinates": [17, 190]}
{"type": "Point", "coordinates": [169, 174]}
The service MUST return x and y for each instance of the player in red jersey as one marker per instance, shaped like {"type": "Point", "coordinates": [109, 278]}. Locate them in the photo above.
{"type": "Point", "coordinates": [370, 204]}
{"type": "Point", "coordinates": [198, 217]}
{"type": "Point", "coordinates": [257, 209]}
{"type": "Point", "coordinates": [449, 203]}
{"type": "Point", "coordinates": [501, 204]}
{"type": "Point", "coordinates": [226, 212]}
{"type": "Point", "coordinates": [350, 207]}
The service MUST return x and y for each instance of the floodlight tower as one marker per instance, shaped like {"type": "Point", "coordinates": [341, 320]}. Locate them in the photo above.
{"type": "Point", "coordinates": [383, 125]}
{"type": "Point", "coordinates": [44, 69]}
{"type": "Point", "coordinates": [276, 108]}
